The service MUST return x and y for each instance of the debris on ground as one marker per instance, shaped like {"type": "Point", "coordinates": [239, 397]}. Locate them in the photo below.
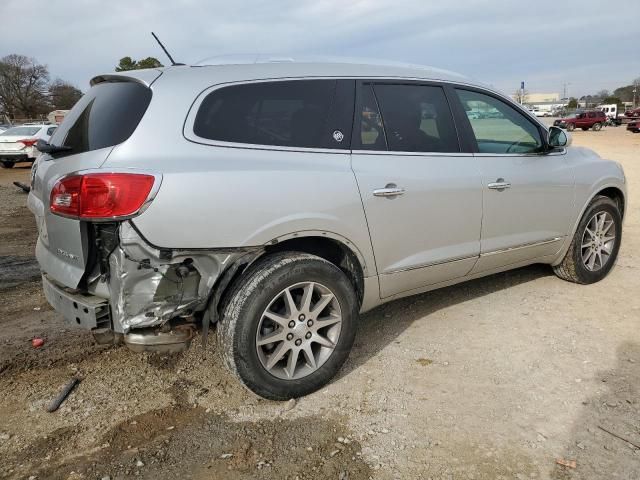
{"type": "Point", "coordinates": [23, 186]}
{"type": "Point", "coordinates": [566, 463]}
{"type": "Point", "coordinates": [37, 342]}
{"type": "Point", "coordinates": [64, 393]}
{"type": "Point", "coordinates": [619, 437]}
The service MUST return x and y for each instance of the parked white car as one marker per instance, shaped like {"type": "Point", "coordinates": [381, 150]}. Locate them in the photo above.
{"type": "Point", "coordinates": [17, 144]}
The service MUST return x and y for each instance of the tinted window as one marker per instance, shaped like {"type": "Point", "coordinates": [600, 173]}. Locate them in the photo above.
{"type": "Point", "coordinates": [106, 116]}
{"type": "Point", "coordinates": [371, 130]}
{"type": "Point", "coordinates": [301, 113]}
{"type": "Point", "coordinates": [26, 131]}
{"type": "Point", "coordinates": [50, 130]}
{"type": "Point", "coordinates": [498, 127]}
{"type": "Point", "coordinates": [416, 118]}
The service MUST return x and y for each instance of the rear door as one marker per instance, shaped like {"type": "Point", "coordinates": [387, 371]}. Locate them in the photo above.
{"type": "Point", "coordinates": [107, 115]}
{"type": "Point", "coordinates": [422, 196]}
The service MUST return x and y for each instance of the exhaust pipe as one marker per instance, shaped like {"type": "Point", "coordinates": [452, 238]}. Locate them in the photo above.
{"type": "Point", "coordinates": [176, 340]}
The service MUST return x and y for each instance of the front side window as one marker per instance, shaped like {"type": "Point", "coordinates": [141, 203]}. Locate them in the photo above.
{"type": "Point", "coordinates": [498, 127]}
{"type": "Point", "coordinates": [416, 118]}
{"type": "Point", "coordinates": [294, 113]}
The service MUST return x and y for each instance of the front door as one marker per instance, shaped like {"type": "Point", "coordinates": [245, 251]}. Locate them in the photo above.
{"type": "Point", "coordinates": [527, 193]}
{"type": "Point", "coordinates": [422, 196]}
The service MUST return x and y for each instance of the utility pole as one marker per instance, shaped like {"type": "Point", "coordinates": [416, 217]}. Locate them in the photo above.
{"type": "Point", "coordinates": [521, 92]}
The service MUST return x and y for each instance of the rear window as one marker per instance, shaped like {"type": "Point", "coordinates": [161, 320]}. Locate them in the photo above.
{"type": "Point", "coordinates": [26, 131]}
{"type": "Point", "coordinates": [106, 116]}
{"type": "Point", "coordinates": [298, 113]}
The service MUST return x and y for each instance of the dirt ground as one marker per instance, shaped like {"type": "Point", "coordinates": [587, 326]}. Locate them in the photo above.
{"type": "Point", "coordinates": [493, 379]}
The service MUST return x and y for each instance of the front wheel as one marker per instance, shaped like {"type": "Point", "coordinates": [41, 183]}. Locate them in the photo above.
{"type": "Point", "coordinates": [571, 127]}
{"type": "Point", "coordinates": [595, 245]}
{"type": "Point", "coordinates": [289, 325]}
{"type": "Point", "coordinates": [596, 127]}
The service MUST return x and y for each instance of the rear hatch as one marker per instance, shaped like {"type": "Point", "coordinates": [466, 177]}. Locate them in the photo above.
{"type": "Point", "coordinates": [104, 117]}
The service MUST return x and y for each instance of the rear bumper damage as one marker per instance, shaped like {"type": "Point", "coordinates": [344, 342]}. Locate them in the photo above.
{"type": "Point", "coordinates": [143, 292]}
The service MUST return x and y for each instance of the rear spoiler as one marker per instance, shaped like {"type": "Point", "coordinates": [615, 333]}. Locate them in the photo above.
{"type": "Point", "coordinates": [146, 77]}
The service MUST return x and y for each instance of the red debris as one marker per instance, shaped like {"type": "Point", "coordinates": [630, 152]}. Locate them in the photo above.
{"type": "Point", "coordinates": [37, 342]}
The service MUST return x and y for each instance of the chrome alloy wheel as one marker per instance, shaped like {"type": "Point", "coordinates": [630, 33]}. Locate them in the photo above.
{"type": "Point", "coordinates": [598, 241]}
{"type": "Point", "coordinates": [299, 330]}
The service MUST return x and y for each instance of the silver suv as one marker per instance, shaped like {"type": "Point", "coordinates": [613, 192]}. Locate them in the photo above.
{"type": "Point", "coordinates": [279, 200]}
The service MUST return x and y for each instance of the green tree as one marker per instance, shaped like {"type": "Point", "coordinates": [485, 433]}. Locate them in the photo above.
{"type": "Point", "coordinates": [573, 103]}
{"type": "Point", "coordinates": [127, 63]}
{"type": "Point", "coordinates": [611, 99]}
{"type": "Point", "coordinates": [63, 95]}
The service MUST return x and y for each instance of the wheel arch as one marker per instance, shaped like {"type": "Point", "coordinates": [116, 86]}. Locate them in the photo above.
{"type": "Point", "coordinates": [328, 245]}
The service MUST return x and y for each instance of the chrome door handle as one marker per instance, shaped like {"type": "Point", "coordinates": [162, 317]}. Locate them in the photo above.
{"type": "Point", "coordinates": [390, 190]}
{"type": "Point", "coordinates": [499, 184]}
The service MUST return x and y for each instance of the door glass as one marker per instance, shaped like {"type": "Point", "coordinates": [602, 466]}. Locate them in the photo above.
{"type": "Point", "coordinates": [498, 127]}
{"type": "Point", "coordinates": [371, 130]}
{"type": "Point", "coordinates": [416, 118]}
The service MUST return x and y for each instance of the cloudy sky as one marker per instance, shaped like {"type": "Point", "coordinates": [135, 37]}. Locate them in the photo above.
{"type": "Point", "coordinates": [590, 44]}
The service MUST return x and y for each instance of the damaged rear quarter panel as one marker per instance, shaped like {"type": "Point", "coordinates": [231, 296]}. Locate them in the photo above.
{"type": "Point", "coordinates": [147, 288]}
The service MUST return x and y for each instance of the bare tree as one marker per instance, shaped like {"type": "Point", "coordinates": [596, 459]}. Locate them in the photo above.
{"type": "Point", "coordinates": [521, 96]}
{"type": "Point", "coordinates": [23, 86]}
{"type": "Point", "coordinates": [63, 95]}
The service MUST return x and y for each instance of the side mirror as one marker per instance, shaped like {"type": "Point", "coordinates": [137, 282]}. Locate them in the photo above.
{"type": "Point", "coordinates": [558, 137]}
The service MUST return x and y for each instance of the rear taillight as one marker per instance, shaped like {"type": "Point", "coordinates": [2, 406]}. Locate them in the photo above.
{"type": "Point", "coordinates": [100, 196]}
{"type": "Point", "coordinates": [28, 141]}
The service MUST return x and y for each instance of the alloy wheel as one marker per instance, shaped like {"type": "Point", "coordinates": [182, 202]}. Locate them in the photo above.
{"type": "Point", "coordinates": [598, 241]}
{"type": "Point", "coordinates": [299, 330]}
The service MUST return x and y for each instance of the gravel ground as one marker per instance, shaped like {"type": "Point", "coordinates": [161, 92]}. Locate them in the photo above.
{"type": "Point", "coordinates": [493, 379]}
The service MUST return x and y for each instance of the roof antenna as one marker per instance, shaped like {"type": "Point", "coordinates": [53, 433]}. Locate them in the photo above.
{"type": "Point", "coordinates": [173, 62]}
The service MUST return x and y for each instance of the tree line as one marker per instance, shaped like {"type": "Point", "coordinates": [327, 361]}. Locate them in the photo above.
{"type": "Point", "coordinates": [26, 90]}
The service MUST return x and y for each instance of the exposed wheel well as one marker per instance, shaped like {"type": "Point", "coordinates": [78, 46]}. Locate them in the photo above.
{"type": "Point", "coordinates": [332, 251]}
{"type": "Point", "coordinates": [616, 195]}
{"type": "Point", "coordinates": [327, 248]}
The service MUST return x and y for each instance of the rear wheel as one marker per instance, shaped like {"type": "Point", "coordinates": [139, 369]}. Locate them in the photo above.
{"type": "Point", "coordinates": [595, 245]}
{"type": "Point", "coordinates": [289, 325]}
{"type": "Point", "coordinates": [571, 127]}
{"type": "Point", "coordinates": [6, 164]}
{"type": "Point", "coordinates": [597, 126]}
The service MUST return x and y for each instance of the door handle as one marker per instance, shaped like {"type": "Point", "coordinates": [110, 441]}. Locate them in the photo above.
{"type": "Point", "coordinates": [499, 185]}
{"type": "Point", "coordinates": [390, 190]}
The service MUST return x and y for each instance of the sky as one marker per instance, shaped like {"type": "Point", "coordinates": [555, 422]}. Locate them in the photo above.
{"type": "Point", "coordinates": [589, 45]}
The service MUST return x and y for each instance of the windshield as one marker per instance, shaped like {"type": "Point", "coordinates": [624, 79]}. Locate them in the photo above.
{"type": "Point", "coordinates": [21, 131]}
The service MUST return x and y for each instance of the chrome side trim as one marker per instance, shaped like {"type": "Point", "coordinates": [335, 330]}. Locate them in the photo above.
{"type": "Point", "coordinates": [411, 154]}
{"type": "Point", "coordinates": [519, 247]}
{"type": "Point", "coordinates": [432, 264]}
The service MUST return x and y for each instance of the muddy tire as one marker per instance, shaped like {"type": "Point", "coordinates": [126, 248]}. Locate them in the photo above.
{"type": "Point", "coordinates": [578, 265]}
{"type": "Point", "coordinates": [280, 334]}
{"type": "Point", "coordinates": [6, 164]}
{"type": "Point", "coordinates": [597, 127]}
{"type": "Point", "coordinates": [571, 127]}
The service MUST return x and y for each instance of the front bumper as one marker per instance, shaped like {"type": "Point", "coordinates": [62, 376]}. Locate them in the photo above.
{"type": "Point", "coordinates": [78, 309]}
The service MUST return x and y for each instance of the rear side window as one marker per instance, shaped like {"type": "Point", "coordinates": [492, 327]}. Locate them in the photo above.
{"type": "Point", "coordinates": [106, 116]}
{"type": "Point", "coordinates": [18, 131]}
{"type": "Point", "coordinates": [406, 118]}
{"type": "Point", "coordinates": [298, 113]}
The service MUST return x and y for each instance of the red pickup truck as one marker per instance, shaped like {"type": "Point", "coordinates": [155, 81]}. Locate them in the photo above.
{"type": "Point", "coordinates": [584, 120]}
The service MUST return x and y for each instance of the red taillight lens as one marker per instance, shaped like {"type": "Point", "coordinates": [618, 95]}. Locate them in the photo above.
{"type": "Point", "coordinates": [29, 142]}
{"type": "Point", "coordinates": [100, 195]}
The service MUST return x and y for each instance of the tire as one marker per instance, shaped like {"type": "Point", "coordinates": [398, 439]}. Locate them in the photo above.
{"type": "Point", "coordinates": [573, 268]}
{"type": "Point", "coordinates": [261, 289]}
{"type": "Point", "coordinates": [571, 127]}
{"type": "Point", "coordinates": [6, 164]}
{"type": "Point", "coordinates": [596, 127]}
